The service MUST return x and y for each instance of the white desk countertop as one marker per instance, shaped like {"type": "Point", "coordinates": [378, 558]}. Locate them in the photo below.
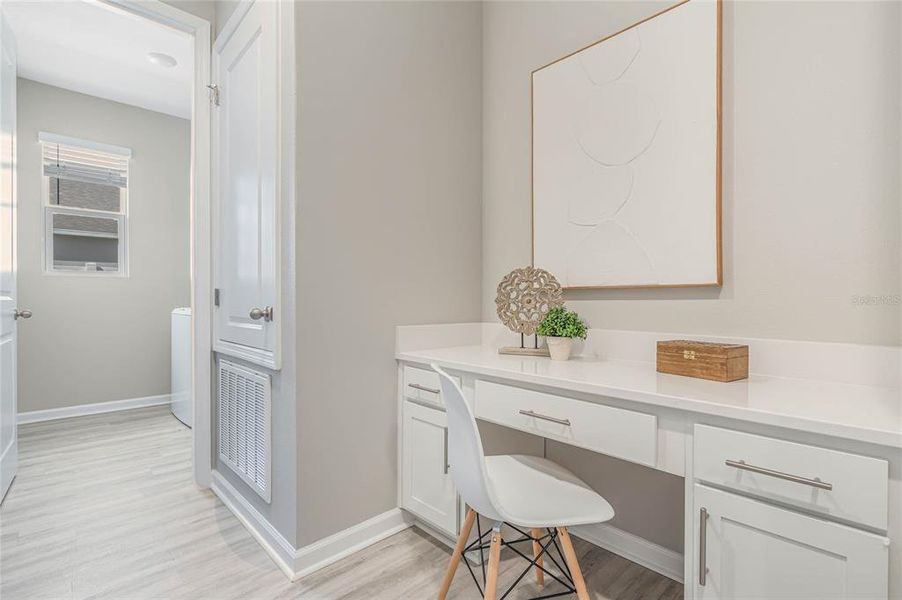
{"type": "Point", "coordinates": [856, 412]}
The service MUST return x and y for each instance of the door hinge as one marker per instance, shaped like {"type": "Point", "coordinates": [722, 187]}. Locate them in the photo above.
{"type": "Point", "coordinates": [214, 93]}
{"type": "Point", "coordinates": [216, 297]}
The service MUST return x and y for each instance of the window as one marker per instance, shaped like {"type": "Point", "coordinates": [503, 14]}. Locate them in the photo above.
{"type": "Point", "coordinates": [85, 206]}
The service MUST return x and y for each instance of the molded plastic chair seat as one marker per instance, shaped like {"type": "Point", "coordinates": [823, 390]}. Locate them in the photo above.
{"type": "Point", "coordinates": [531, 491]}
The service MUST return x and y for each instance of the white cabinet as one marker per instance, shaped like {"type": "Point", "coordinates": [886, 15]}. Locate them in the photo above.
{"type": "Point", "coordinates": [422, 386]}
{"type": "Point", "coordinates": [427, 490]}
{"type": "Point", "coordinates": [836, 485]}
{"type": "Point", "coordinates": [752, 550]}
{"type": "Point", "coordinates": [788, 517]}
{"type": "Point", "coordinates": [246, 188]}
{"type": "Point", "coordinates": [626, 434]}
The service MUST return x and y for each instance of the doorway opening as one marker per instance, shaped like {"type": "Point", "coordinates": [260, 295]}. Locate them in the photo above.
{"type": "Point", "coordinates": [106, 116]}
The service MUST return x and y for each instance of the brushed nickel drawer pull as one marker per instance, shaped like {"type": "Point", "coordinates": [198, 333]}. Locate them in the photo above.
{"type": "Point", "coordinates": [417, 386]}
{"type": "Point", "coordinates": [445, 459]}
{"type": "Point", "coordinates": [703, 547]}
{"type": "Point", "coordinates": [817, 483]}
{"type": "Point", "coordinates": [530, 413]}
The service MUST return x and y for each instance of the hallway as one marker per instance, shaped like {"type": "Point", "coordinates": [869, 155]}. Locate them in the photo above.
{"type": "Point", "coordinates": [104, 507]}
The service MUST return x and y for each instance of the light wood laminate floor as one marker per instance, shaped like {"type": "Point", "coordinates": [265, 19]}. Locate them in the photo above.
{"type": "Point", "coordinates": [104, 507]}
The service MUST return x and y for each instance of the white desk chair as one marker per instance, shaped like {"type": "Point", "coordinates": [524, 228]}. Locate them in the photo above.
{"type": "Point", "coordinates": [525, 492]}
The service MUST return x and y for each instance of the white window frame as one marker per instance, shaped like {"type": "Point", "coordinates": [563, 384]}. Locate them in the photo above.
{"type": "Point", "coordinates": [120, 216]}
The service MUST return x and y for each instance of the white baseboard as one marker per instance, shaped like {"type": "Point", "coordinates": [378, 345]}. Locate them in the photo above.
{"type": "Point", "coordinates": [632, 547]}
{"type": "Point", "coordinates": [353, 539]}
{"type": "Point", "coordinates": [299, 562]}
{"type": "Point", "coordinates": [51, 414]}
{"type": "Point", "coordinates": [280, 550]}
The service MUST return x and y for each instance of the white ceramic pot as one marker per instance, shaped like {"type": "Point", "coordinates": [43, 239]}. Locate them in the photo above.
{"type": "Point", "coordinates": [559, 347]}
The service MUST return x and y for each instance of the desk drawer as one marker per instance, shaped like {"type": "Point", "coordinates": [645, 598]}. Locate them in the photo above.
{"type": "Point", "coordinates": [836, 484]}
{"type": "Point", "coordinates": [423, 385]}
{"type": "Point", "coordinates": [616, 432]}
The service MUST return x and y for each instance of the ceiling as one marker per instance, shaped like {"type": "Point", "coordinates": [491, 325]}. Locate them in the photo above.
{"type": "Point", "coordinates": [90, 47]}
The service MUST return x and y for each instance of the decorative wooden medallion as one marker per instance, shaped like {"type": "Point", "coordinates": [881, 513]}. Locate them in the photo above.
{"type": "Point", "coordinates": [524, 296]}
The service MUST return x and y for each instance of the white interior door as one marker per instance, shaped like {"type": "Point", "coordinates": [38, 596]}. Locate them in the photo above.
{"type": "Point", "coordinates": [9, 311]}
{"type": "Point", "coordinates": [246, 241]}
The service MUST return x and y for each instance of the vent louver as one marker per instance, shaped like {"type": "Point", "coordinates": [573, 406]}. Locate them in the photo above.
{"type": "Point", "coordinates": [244, 424]}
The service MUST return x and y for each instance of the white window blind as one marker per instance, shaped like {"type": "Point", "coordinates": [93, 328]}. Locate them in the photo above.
{"type": "Point", "coordinates": [84, 164]}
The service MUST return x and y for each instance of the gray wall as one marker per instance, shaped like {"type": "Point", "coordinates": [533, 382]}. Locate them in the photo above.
{"type": "Point", "coordinates": [224, 10]}
{"type": "Point", "coordinates": [811, 190]}
{"type": "Point", "coordinates": [409, 114]}
{"type": "Point", "coordinates": [811, 166]}
{"type": "Point", "coordinates": [389, 193]}
{"type": "Point", "coordinates": [99, 339]}
{"type": "Point", "coordinates": [205, 9]}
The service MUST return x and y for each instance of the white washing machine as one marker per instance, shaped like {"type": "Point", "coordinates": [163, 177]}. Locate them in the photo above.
{"type": "Point", "coordinates": [182, 399]}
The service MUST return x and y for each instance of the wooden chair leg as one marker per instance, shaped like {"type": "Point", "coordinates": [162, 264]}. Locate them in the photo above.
{"type": "Point", "coordinates": [536, 549]}
{"type": "Point", "coordinates": [491, 582]}
{"type": "Point", "coordinates": [573, 563]}
{"type": "Point", "coordinates": [458, 552]}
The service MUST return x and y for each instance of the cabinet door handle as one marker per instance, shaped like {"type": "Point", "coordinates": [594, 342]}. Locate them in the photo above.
{"type": "Point", "coordinates": [423, 388]}
{"type": "Point", "coordinates": [816, 482]}
{"type": "Point", "coordinates": [531, 413]}
{"type": "Point", "coordinates": [702, 547]}
{"type": "Point", "coordinates": [445, 459]}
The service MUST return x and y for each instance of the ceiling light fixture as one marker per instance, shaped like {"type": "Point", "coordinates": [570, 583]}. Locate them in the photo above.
{"type": "Point", "coordinates": [162, 60]}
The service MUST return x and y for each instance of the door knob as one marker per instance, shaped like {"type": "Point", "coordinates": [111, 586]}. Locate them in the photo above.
{"type": "Point", "coordinates": [22, 314]}
{"type": "Point", "coordinates": [262, 313]}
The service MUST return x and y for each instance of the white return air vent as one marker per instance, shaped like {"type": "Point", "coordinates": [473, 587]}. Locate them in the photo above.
{"type": "Point", "coordinates": [245, 443]}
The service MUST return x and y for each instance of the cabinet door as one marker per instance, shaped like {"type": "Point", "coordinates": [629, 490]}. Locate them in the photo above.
{"type": "Point", "coordinates": [246, 191]}
{"type": "Point", "coordinates": [427, 489]}
{"type": "Point", "coordinates": [754, 550]}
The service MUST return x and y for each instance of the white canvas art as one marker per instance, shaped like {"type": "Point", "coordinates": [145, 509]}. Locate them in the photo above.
{"type": "Point", "coordinates": [625, 156]}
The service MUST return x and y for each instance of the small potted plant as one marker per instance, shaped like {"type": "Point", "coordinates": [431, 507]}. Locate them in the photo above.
{"type": "Point", "coordinates": [559, 327]}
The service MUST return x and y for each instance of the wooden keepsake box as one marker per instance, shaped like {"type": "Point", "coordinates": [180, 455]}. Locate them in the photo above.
{"type": "Point", "coordinates": [705, 360]}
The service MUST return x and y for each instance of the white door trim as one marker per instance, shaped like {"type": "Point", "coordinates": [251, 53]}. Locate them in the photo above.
{"type": "Point", "coordinates": [9, 453]}
{"type": "Point", "coordinates": [201, 276]}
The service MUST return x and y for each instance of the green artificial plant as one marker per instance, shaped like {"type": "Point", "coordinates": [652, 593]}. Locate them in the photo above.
{"type": "Point", "coordinates": [560, 322]}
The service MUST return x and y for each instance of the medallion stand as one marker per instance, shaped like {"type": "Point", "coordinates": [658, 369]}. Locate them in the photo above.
{"type": "Point", "coordinates": [522, 350]}
{"type": "Point", "coordinates": [524, 297]}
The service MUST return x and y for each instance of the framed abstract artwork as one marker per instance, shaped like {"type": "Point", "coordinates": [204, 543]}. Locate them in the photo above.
{"type": "Point", "coordinates": [626, 158]}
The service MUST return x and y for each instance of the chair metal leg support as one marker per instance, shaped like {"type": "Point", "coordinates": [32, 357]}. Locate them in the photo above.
{"type": "Point", "coordinates": [543, 545]}
{"type": "Point", "coordinates": [532, 563]}
{"type": "Point", "coordinates": [481, 547]}
{"type": "Point", "coordinates": [537, 553]}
